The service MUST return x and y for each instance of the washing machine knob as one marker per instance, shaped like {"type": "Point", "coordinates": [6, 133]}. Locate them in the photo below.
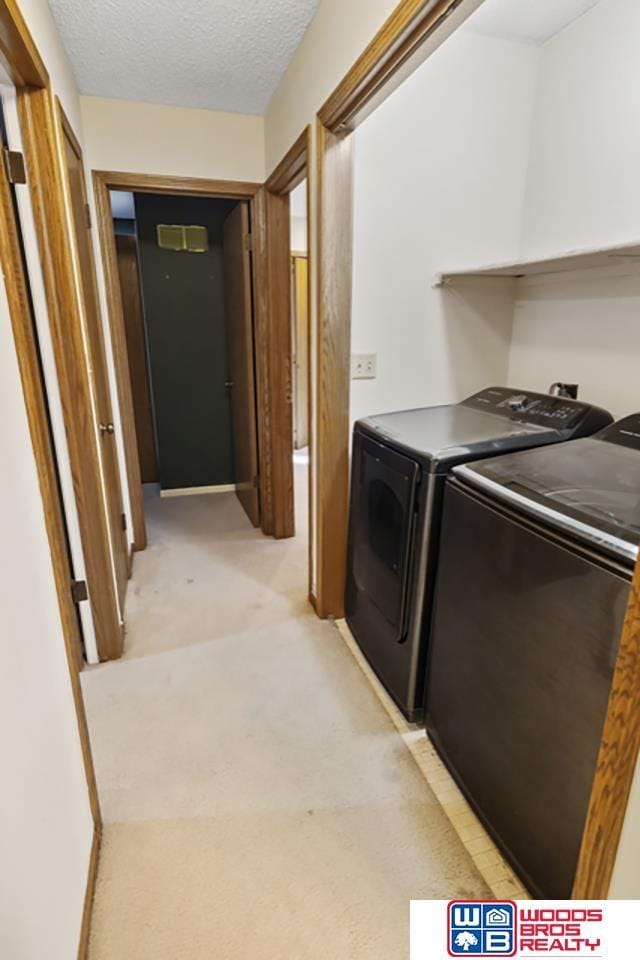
{"type": "Point", "coordinates": [518, 402]}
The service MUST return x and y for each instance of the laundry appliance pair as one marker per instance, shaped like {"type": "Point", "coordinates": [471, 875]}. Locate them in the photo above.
{"type": "Point", "coordinates": [489, 569]}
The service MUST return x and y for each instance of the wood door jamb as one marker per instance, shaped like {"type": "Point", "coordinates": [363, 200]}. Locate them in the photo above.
{"type": "Point", "coordinates": [103, 182]}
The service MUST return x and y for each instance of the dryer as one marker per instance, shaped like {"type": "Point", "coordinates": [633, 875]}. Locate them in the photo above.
{"type": "Point", "coordinates": [400, 463]}
{"type": "Point", "coordinates": [537, 554]}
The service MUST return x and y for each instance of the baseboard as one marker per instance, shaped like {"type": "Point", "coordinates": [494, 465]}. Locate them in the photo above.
{"type": "Point", "coordinates": [194, 491]}
{"type": "Point", "coordinates": [92, 873]}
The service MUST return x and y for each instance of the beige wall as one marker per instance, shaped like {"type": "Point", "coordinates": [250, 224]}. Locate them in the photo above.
{"type": "Point", "coordinates": [148, 138]}
{"type": "Point", "coordinates": [135, 137]}
{"type": "Point", "coordinates": [338, 34]}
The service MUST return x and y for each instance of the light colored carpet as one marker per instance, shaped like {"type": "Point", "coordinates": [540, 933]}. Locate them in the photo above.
{"type": "Point", "coordinates": [258, 802]}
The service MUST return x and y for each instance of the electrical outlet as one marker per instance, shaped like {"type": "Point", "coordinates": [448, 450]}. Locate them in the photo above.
{"type": "Point", "coordinates": [363, 366]}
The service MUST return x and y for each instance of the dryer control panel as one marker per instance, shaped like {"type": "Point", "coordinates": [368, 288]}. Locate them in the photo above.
{"type": "Point", "coordinates": [625, 432]}
{"type": "Point", "coordinates": [541, 409]}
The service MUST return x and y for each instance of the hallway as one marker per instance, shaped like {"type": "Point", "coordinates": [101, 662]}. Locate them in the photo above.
{"type": "Point", "coordinates": [257, 800]}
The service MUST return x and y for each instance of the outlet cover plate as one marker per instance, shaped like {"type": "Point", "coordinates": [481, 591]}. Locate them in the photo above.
{"type": "Point", "coordinates": [364, 366]}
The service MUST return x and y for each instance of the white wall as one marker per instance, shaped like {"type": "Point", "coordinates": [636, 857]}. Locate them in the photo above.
{"type": "Point", "coordinates": [583, 191]}
{"type": "Point", "coordinates": [583, 187]}
{"type": "Point", "coordinates": [440, 174]}
{"type": "Point", "coordinates": [298, 215]}
{"type": "Point", "coordinates": [45, 821]}
{"type": "Point", "coordinates": [299, 234]}
{"type": "Point", "coordinates": [583, 328]}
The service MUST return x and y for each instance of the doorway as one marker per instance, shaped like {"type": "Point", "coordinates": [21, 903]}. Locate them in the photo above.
{"type": "Point", "coordinates": [300, 315]}
{"type": "Point", "coordinates": [264, 443]}
{"type": "Point", "coordinates": [184, 276]}
{"type": "Point", "coordinates": [289, 192]}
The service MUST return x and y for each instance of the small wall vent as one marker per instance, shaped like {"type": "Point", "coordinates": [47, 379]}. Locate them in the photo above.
{"type": "Point", "coordinates": [175, 236]}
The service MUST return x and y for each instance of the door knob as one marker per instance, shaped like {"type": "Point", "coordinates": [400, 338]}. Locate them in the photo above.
{"type": "Point", "coordinates": [105, 428]}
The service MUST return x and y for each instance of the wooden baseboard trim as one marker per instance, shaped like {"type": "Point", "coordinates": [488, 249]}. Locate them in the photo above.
{"type": "Point", "coordinates": [85, 929]}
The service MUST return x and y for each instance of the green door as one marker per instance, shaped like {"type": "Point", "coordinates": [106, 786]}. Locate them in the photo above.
{"type": "Point", "coordinates": [183, 293]}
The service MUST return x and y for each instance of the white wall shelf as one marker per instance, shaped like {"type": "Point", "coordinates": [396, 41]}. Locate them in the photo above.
{"type": "Point", "coordinates": [561, 263]}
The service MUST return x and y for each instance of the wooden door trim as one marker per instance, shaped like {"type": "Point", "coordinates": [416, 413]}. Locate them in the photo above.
{"type": "Point", "coordinates": [22, 323]}
{"type": "Point", "coordinates": [44, 164]}
{"type": "Point", "coordinates": [183, 186]}
{"type": "Point", "coordinates": [97, 348]}
{"type": "Point", "coordinates": [24, 65]}
{"type": "Point", "coordinates": [65, 123]}
{"type": "Point", "coordinates": [279, 361]}
{"type": "Point", "coordinates": [617, 761]}
{"type": "Point", "coordinates": [131, 296]}
{"type": "Point", "coordinates": [334, 173]}
{"type": "Point", "coordinates": [120, 358]}
{"type": "Point", "coordinates": [400, 37]}
{"type": "Point", "coordinates": [289, 173]}
{"type": "Point", "coordinates": [18, 52]}
{"type": "Point", "coordinates": [268, 416]}
{"type": "Point", "coordinates": [292, 169]}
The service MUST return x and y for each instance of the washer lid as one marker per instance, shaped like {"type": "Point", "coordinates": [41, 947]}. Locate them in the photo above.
{"type": "Point", "coordinates": [494, 420]}
{"type": "Point", "coordinates": [588, 487]}
{"type": "Point", "coordinates": [453, 432]}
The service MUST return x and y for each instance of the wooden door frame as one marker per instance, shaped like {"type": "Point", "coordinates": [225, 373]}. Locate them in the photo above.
{"type": "Point", "coordinates": [98, 353]}
{"type": "Point", "coordinates": [405, 39]}
{"type": "Point", "coordinates": [289, 174]}
{"type": "Point", "coordinates": [27, 72]}
{"type": "Point", "coordinates": [41, 139]}
{"type": "Point", "coordinates": [271, 406]}
{"type": "Point", "coordinates": [412, 31]}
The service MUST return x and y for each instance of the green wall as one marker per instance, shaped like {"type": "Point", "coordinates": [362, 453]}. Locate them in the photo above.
{"type": "Point", "coordinates": [183, 296]}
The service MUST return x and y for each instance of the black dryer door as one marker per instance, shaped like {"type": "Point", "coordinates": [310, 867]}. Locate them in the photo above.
{"type": "Point", "coordinates": [383, 500]}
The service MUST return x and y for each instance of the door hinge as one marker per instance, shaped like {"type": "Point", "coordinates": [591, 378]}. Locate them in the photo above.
{"type": "Point", "coordinates": [14, 166]}
{"type": "Point", "coordinates": [79, 591]}
{"type": "Point", "coordinates": [248, 241]}
{"type": "Point", "coordinates": [256, 481]}
{"type": "Point", "coordinates": [87, 214]}
{"type": "Point", "coordinates": [123, 521]}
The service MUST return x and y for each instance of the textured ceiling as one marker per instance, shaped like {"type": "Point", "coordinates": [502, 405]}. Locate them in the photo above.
{"type": "Point", "coordinates": [528, 21]}
{"type": "Point", "coordinates": [215, 54]}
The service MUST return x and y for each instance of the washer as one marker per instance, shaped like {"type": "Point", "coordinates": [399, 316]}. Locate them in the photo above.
{"type": "Point", "coordinates": [400, 462]}
{"type": "Point", "coordinates": [537, 554]}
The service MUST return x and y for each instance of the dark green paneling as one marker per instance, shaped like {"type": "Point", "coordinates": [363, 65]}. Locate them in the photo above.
{"type": "Point", "coordinates": [184, 313]}
{"type": "Point", "coordinates": [123, 227]}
